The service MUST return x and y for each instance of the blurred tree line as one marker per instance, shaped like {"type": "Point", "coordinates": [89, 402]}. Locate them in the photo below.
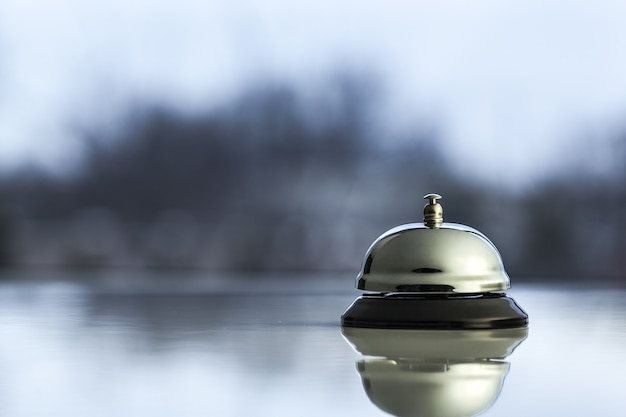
{"type": "Point", "coordinates": [278, 181]}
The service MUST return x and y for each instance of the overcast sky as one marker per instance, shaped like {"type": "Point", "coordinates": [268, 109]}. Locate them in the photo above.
{"type": "Point", "coordinates": [510, 84]}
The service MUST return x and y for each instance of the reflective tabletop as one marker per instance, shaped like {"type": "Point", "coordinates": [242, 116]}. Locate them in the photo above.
{"type": "Point", "coordinates": [137, 343]}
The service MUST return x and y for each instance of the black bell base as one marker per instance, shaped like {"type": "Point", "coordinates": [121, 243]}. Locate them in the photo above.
{"type": "Point", "coordinates": [418, 311]}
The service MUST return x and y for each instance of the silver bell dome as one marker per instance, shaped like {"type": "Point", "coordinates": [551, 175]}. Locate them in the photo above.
{"type": "Point", "coordinates": [433, 257]}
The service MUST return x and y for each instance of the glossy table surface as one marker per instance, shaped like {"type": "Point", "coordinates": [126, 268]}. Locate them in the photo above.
{"type": "Point", "coordinates": [137, 343]}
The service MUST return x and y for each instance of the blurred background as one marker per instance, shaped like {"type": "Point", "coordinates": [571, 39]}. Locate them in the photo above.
{"type": "Point", "coordinates": [282, 136]}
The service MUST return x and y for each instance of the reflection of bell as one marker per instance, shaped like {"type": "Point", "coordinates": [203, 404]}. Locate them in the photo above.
{"type": "Point", "coordinates": [434, 372]}
{"type": "Point", "coordinates": [404, 388]}
{"type": "Point", "coordinates": [433, 275]}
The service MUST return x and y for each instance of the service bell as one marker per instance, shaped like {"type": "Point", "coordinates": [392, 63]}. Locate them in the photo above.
{"type": "Point", "coordinates": [433, 275]}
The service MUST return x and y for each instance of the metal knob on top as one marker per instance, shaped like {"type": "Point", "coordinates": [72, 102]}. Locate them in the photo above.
{"type": "Point", "coordinates": [433, 212]}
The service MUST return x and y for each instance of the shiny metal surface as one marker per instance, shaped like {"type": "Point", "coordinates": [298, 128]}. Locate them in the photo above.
{"type": "Point", "coordinates": [453, 258]}
{"type": "Point", "coordinates": [432, 372]}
